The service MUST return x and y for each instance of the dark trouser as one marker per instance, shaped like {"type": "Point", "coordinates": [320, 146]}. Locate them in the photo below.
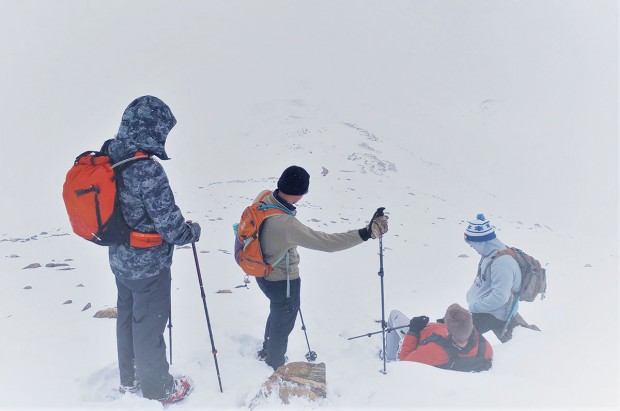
{"type": "Point", "coordinates": [143, 310]}
{"type": "Point", "coordinates": [484, 322]}
{"type": "Point", "coordinates": [282, 316]}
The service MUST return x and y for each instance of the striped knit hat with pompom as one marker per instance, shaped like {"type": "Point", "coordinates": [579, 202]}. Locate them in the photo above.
{"type": "Point", "coordinates": [480, 229]}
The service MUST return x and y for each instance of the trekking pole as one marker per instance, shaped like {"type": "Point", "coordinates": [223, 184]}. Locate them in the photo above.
{"type": "Point", "coordinates": [513, 312]}
{"type": "Point", "coordinates": [311, 355]}
{"type": "Point", "coordinates": [170, 323]}
{"type": "Point", "coordinates": [379, 213]}
{"type": "Point", "coordinates": [204, 303]}
{"type": "Point", "coordinates": [387, 330]}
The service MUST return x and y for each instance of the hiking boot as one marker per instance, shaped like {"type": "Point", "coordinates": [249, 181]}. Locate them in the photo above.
{"type": "Point", "coordinates": [130, 389]}
{"type": "Point", "coordinates": [261, 354]}
{"type": "Point", "coordinates": [181, 388]}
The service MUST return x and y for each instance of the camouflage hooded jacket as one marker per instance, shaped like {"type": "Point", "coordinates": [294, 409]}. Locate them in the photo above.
{"type": "Point", "coordinates": [146, 198]}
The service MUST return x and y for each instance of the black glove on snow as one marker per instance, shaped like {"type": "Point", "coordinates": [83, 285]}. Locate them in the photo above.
{"type": "Point", "coordinates": [417, 324]}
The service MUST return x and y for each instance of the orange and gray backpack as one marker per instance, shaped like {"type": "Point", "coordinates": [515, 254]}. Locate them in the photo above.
{"type": "Point", "coordinates": [248, 254]}
{"type": "Point", "coordinates": [91, 199]}
{"type": "Point", "coordinates": [533, 275]}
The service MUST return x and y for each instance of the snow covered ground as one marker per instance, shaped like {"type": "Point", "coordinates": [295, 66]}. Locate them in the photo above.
{"type": "Point", "coordinates": [434, 110]}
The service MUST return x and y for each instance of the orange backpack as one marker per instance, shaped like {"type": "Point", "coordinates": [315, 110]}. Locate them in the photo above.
{"type": "Point", "coordinates": [91, 200]}
{"type": "Point", "coordinates": [250, 257]}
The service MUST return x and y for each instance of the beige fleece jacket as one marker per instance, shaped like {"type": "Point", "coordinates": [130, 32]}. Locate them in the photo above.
{"type": "Point", "coordinates": [281, 233]}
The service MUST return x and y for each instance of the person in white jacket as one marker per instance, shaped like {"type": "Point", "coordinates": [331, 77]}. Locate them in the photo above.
{"type": "Point", "coordinates": [491, 296]}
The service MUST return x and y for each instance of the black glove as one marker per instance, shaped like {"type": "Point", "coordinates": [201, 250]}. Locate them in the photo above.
{"type": "Point", "coordinates": [377, 226]}
{"type": "Point", "coordinates": [417, 324]}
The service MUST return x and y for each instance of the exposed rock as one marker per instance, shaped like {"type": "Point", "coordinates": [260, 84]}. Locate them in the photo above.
{"type": "Point", "coordinates": [68, 302]}
{"type": "Point", "coordinates": [33, 265]}
{"type": "Point", "coordinates": [13, 256]}
{"type": "Point", "coordinates": [588, 265]}
{"type": "Point", "coordinates": [296, 379]}
{"type": "Point", "coordinates": [106, 313]}
{"type": "Point", "coordinates": [225, 291]}
{"type": "Point", "coordinates": [86, 307]}
{"type": "Point", "coordinates": [52, 265]}
{"type": "Point", "coordinates": [463, 256]}
{"type": "Point", "coordinates": [80, 285]}
{"type": "Point", "coordinates": [28, 287]}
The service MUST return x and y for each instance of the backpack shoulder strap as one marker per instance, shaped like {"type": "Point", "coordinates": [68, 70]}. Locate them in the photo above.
{"type": "Point", "coordinates": [268, 207]}
{"type": "Point", "coordinates": [125, 163]}
{"type": "Point", "coordinates": [449, 347]}
{"type": "Point", "coordinates": [482, 346]}
{"type": "Point", "coordinates": [121, 165]}
{"type": "Point", "coordinates": [509, 251]}
{"type": "Point", "coordinates": [443, 342]}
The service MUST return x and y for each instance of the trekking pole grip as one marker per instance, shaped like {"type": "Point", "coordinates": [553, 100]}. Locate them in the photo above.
{"type": "Point", "coordinates": [377, 213]}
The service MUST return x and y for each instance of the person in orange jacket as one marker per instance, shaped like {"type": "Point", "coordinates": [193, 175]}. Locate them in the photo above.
{"type": "Point", "coordinates": [452, 344]}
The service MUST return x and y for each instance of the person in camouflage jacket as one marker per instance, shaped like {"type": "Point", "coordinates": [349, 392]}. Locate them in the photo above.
{"type": "Point", "coordinates": [143, 274]}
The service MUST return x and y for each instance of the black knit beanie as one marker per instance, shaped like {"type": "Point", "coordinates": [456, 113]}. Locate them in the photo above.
{"type": "Point", "coordinates": [294, 181]}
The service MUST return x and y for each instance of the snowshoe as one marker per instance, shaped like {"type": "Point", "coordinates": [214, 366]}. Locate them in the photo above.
{"type": "Point", "coordinates": [181, 389]}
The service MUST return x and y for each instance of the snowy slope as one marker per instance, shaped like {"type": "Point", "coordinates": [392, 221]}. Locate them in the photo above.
{"type": "Point", "coordinates": [434, 111]}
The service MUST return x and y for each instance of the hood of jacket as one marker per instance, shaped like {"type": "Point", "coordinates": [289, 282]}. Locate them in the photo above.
{"type": "Point", "coordinates": [486, 248]}
{"type": "Point", "coordinates": [144, 127]}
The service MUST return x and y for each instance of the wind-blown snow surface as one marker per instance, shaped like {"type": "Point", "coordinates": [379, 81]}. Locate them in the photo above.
{"type": "Point", "coordinates": [435, 110]}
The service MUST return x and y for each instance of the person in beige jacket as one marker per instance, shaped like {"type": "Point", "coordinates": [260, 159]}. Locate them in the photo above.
{"type": "Point", "coordinates": [280, 236]}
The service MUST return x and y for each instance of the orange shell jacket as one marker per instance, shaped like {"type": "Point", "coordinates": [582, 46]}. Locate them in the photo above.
{"type": "Point", "coordinates": [432, 353]}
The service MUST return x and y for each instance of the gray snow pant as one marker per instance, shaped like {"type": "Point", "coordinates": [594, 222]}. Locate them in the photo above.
{"type": "Point", "coordinates": [143, 310]}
